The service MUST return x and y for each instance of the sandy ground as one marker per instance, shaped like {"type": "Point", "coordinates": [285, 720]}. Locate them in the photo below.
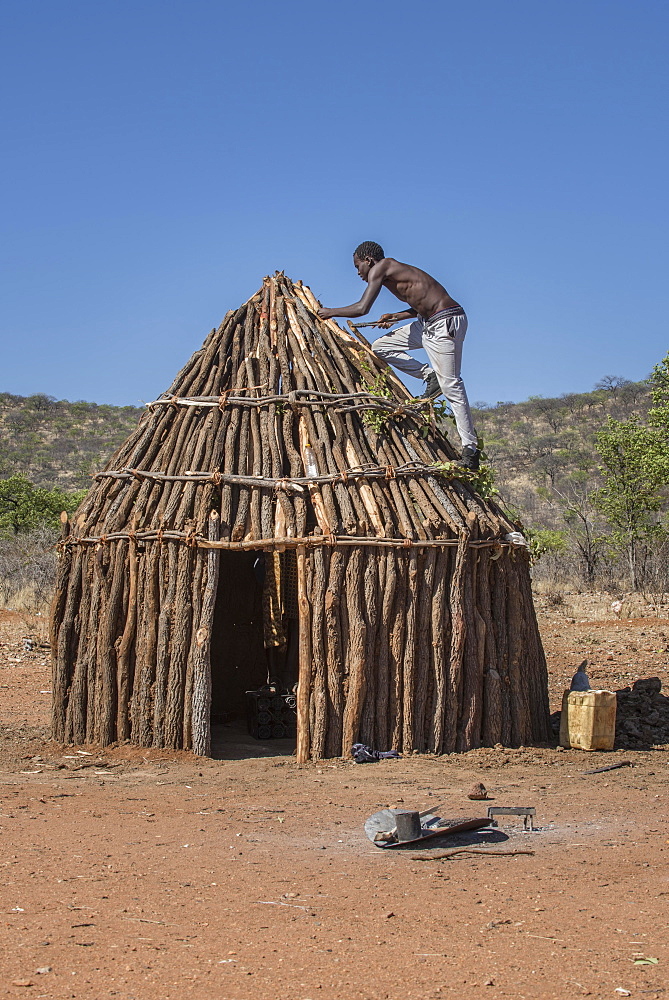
{"type": "Point", "coordinates": [147, 875]}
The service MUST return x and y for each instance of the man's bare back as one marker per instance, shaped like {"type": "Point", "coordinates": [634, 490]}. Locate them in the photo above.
{"type": "Point", "coordinates": [424, 294]}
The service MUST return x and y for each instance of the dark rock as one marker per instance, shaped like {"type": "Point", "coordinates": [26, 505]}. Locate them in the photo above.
{"type": "Point", "coordinates": [652, 685]}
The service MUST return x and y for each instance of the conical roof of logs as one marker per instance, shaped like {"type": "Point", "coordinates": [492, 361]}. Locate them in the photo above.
{"type": "Point", "coordinates": [295, 432]}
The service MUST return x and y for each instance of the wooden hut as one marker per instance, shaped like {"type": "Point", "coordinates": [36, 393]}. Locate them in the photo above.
{"type": "Point", "coordinates": [285, 436]}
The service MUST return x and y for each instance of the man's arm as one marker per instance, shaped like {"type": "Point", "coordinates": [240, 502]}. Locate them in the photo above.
{"type": "Point", "coordinates": [362, 307]}
{"type": "Point", "coordinates": [389, 319]}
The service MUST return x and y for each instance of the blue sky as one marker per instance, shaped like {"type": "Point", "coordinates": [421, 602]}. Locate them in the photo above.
{"type": "Point", "coordinates": [161, 156]}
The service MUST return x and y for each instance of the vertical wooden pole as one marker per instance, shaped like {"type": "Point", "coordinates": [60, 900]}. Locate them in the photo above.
{"type": "Point", "coordinates": [202, 649]}
{"type": "Point", "coordinates": [75, 722]}
{"type": "Point", "coordinates": [458, 636]}
{"type": "Point", "coordinates": [424, 662]}
{"type": "Point", "coordinates": [319, 652]}
{"type": "Point", "coordinates": [440, 633]}
{"type": "Point", "coordinates": [145, 669]}
{"type": "Point", "coordinates": [383, 728]}
{"type": "Point", "coordinates": [491, 732]}
{"type": "Point", "coordinates": [471, 716]}
{"type": "Point", "coordinates": [65, 640]}
{"type": "Point", "coordinates": [536, 676]}
{"type": "Point", "coordinates": [396, 659]}
{"type": "Point", "coordinates": [92, 653]}
{"type": "Point", "coordinates": [335, 656]}
{"type": "Point", "coordinates": [108, 632]}
{"type": "Point", "coordinates": [371, 601]}
{"type": "Point", "coordinates": [182, 623]}
{"type": "Point", "coordinates": [60, 589]}
{"type": "Point", "coordinates": [124, 667]}
{"type": "Point", "coordinates": [499, 600]}
{"type": "Point", "coordinates": [304, 682]}
{"type": "Point", "coordinates": [410, 655]}
{"type": "Point", "coordinates": [515, 630]}
{"type": "Point", "coordinates": [355, 649]}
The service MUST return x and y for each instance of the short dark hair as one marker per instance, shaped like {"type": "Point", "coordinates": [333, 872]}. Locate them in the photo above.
{"type": "Point", "coordinates": [369, 249]}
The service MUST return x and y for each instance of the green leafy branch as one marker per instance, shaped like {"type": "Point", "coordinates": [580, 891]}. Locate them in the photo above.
{"type": "Point", "coordinates": [376, 384]}
{"type": "Point", "coordinates": [481, 481]}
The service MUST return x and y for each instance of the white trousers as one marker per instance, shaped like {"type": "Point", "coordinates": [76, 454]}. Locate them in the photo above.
{"type": "Point", "coordinates": [442, 336]}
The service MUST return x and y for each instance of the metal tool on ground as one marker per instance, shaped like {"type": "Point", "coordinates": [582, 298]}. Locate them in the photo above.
{"type": "Point", "coordinates": [397, 827]}
{"type": "Point", "coordinates": [527, 812]}
{"type": "Point", "coordinates": [408, 825]}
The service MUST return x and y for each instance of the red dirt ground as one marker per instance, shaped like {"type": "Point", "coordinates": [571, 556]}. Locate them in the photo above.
{"type": "Point", "coordinates": [154, 875]}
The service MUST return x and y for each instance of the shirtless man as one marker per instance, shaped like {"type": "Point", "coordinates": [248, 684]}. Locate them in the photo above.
{"type": "Point", "coordinates": [439, 325]}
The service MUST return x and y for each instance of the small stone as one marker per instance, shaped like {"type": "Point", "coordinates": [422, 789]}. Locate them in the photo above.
{"type": "Point", "coordinates": [489, 982]}
{"type": "Point", "coordinates": [477, 791]}
{"type": "Point", "coordinates": [43, 970]}
{"type": "Point", "coordinates": [22, 982]}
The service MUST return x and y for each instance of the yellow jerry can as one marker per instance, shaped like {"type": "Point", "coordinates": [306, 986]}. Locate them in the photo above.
{"type": "Point", "coordinates": [588, 720]}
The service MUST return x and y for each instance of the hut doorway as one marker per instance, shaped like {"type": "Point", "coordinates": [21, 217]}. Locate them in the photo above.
{"type": "Point", "coordinates": [255, 642]}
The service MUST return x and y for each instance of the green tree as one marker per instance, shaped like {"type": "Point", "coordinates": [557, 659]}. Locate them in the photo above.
{"type": "Point", "coordinates": [634, 470]}
{"type": "Point", "coordinates": [658, 415]}
{"type": "Point", "coordinates": [543, 541]}
{"type": "Point", "coordinates": [24, 506]}
{"type": "Point", "coordinates": [573, 496]}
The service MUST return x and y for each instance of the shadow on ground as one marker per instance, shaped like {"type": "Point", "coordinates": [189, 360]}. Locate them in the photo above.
{"type": "Point", "coordinates": [231, 741]}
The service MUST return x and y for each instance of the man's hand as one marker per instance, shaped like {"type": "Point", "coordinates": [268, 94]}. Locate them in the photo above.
{"type": "Point", "coordinates": [326, 313]}
{"type": "Point", "coordinates": [389, 319]}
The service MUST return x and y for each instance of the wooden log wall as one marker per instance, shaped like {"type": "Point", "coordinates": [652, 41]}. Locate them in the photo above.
{"type": "Point", "coordinates": [135, 666]}
{"type": "Point", "coordinates": [420, 649]}
{"type": "Point", "coordinates": [391, 662]}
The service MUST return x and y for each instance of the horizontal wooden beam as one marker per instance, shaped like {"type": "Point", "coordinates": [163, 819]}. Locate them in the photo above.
{"type": "Point", "coordinates": [310, 541]}
{"type": "Point", "coordinates": [302, 397]}
{"type": "Point", "coordinates": [296, 483]}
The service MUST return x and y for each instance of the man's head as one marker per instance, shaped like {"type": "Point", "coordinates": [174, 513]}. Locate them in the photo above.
{"type": "Point", "coordinates": [366, 256]}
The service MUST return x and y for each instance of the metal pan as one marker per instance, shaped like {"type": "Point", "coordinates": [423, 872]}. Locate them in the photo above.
{"type": "Point", "coordinates": [384, 822]}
